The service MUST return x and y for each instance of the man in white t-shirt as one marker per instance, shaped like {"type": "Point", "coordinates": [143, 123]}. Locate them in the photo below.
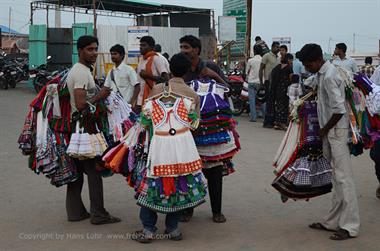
{"type": "Point", "coordinates": [341, 59]}
{"type": "Point", "coordinates": [151, 69]}
{"type": "Point", "coordinates": [81, 85]}
{"type": "Point", "coordinates": [253, 79]}
{"type": "Point", "coordinates": [122, 77]}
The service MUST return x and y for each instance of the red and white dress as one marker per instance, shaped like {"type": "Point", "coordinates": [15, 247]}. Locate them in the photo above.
{"type": "Point", "coordinates": [172, 151]}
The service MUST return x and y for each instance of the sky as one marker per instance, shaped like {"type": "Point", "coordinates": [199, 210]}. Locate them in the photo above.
{"type": "Point", "coordinates": [325, 22]}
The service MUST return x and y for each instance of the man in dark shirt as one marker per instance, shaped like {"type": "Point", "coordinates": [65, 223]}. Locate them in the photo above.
{"type": "Point", "coordinates": [200, 69]}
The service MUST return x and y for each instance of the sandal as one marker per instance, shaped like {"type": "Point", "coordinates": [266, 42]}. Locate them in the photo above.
{"type": "Point", "coordinates": [139, 236]}
{"type": "Point", "coordinates": [109, 220]}
{"type": "Point", "coordinates": [319, 226]}
{"type": "Point", "coordinates": [341, 235]}
{"type": "Point", "coordinates": [219, 218]}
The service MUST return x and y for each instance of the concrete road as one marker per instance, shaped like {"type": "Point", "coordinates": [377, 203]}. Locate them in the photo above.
{"type": "Point", "coordinates": [33, 216]}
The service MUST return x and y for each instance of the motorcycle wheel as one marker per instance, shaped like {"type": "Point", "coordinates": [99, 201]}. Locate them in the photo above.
{"type": "Point", "coordinates": [238, 106]}
{"type": "Point", "coordinates": [4, 83]}
{"type": "Point", "coordinates": [36, 85]}
{"type": "Point", "coordinates": [12, 83]}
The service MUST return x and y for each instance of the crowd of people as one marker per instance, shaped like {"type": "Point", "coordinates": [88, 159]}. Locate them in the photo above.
{"type": "Point", "coordinates": [286, 79]}
{"type": "Point", "coordinates": [167, 127]}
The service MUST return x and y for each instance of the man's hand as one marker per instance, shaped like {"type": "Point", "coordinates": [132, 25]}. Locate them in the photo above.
{"type": "Point", "coordinates": [323, 132]}
{"type": "Point", "coordinates": [104, 92]}
{"type": "Point", "coordinates": [144, 74]}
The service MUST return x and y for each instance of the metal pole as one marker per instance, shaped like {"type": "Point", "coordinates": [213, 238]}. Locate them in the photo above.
{"type": "Point", "coordinates": [58, 15]}
{"type": "Point", "coordinates": [47, 16]}
{"type": "Point", "coordinates": [248, 31]}
{"type": "Point", "coordinates": [353, 46]}
{"type": "Point", "coordinates": [94, 7]}
{"type": "Point", "coordinates": [31, 13]}
{"type": "Point", "coordinates": [74, 12]}
{"type": "Point", "coordinates": [9, 22]}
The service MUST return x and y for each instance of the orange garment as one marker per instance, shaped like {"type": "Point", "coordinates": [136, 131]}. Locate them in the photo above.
{"type": "Point", "coordinates": [149, 70]}
{"type": "Point", "coordinates": [118, 159]}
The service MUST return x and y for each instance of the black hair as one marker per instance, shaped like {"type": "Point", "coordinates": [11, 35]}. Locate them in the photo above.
{"type": "Point", "coordinates": [179, 64]}
{"type": "Point", "coordinates": [119, 49]}
{"type": "Point", "coordinates": [157, 48]}
{"type": "Point", "coordinates": [257, 38]}
{"type": "Point", "coordinates": [342, 46]}
{"type": "Point", "coordinates": [288, 56]}
{"type": "Point", "coordinates": [166, 55]}
{"type": "Point", "coordinates": [284, 47]}
{"type": "Point", "coordinates": [149, 40]}
{"type": "Point", "coordinates": [368, 60]}
{"type": "Point", "coordinates": [193, 41]}
{"type": "Point", "coordinates": [275, 43]}
{"type": "Point", "coordinates": [257, 49]}
{"type": "Point", "coordinates": [86, 40]}
{"type": "Point", "coordinates": [297, 54]}
{"type": "Point", "coordinates": [295, 78]}
{"type": "Point", "coordinates": [310, 53]}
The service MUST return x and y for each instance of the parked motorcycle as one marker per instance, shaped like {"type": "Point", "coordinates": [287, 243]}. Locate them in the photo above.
{"type": "Point", "coordinates": [240, 97]}
{"type": "Point", "coordinates": [40, 75]}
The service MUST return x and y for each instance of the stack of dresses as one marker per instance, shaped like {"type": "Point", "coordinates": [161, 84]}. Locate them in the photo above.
{"type": "Point", "coordinates": [46, 133]}
{"type": "Point", "coordinates": [119, 116]}
{"type": "Point", "coordinates": [161, 161]}
{"type": "Point", "coordinates": [363, 104]}
{"type": "Point", "coordinates": [216, 137]}
{"type": "Point", "coordinates": [302, 172]}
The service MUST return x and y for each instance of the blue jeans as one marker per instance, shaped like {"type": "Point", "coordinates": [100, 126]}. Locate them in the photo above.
{"type": "Point", "coordinates": [149, 219]}
{"type": "Point", "coordinates": [252, 102]}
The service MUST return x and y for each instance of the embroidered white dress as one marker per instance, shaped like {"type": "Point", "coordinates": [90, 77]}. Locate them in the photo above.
{"type": "Point", "coordinates": [172, 151]}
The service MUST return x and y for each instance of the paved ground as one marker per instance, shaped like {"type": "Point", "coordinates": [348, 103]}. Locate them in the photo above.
{"type": "Point", "coordinates": [33, 216]}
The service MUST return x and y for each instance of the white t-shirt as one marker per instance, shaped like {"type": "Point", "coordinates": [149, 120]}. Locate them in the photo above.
{"type": "Point", "coordinates": [80, 77]}
{"type": "Point", "coordinates": [159, 66]}
{"type": "Point", "coordinates": [125, 78]}
{"type": "Point", "coordinates": [252, 69]}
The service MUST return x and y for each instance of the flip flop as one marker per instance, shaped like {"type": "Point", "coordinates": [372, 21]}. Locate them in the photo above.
{"type": "Point", "coordinates": [219, 218]}
{"type": "Point", "coordinates": [319, 226]}
{"type": "Point", "coordinates": [139, 236]}
{"type": "Point", "coordinates": [341, 235]}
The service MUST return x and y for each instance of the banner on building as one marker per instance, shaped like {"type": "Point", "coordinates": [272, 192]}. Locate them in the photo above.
{"type": "Point", "coordinates": [284, 40]}
{"type": "Point", "coordinates": [227, 28]}
{"type": "Point", "coordinates": [135, 33]}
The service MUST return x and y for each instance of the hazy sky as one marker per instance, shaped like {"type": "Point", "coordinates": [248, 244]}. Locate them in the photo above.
{"type": "Point", "coordinates": [304, 21]}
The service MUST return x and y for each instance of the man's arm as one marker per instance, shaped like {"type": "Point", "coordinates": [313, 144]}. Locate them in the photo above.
{"type": "Point", "coordinates": [80, 96]}
{"type": "Point", "coordinates": [330, 124]}
{"type": "Point", "coordinates": [261, 73]}
{"type": "Point", "coordinates": [247, 70]}
{"type": "Point", "coordinates": [135, 95]}
{"type": "Point", "coordinates": [336, 101]}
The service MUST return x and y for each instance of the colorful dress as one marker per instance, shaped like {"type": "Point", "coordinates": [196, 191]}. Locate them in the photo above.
{"type": "Point", "coordinates": [216, 137]}
{"type": "Point", "coordinates": [172, 180]}
{"type": "Point", "coordinates": [307, 172]}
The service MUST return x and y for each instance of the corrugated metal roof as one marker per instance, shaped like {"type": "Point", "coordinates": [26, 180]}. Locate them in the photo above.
{"type": "Point", "coordinates": [128, 6]}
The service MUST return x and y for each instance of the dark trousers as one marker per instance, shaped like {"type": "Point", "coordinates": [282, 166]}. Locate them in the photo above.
{"type": "Point", "coordinates": [375, 156]}
{"type": "Point", "coordinates": [214, 178]}
{"type": "Point", "coordinates": [149, 219]}
{"type": "Point", "coordinates": [270, 103]}
{"type": "Point", "coordinates": [74, 205]}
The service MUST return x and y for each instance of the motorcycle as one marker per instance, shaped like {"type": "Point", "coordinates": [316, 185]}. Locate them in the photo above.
{"type": "Point", "coordinates": [40, 75]}
{"type": "Point", "coordinates": [240, 97]}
